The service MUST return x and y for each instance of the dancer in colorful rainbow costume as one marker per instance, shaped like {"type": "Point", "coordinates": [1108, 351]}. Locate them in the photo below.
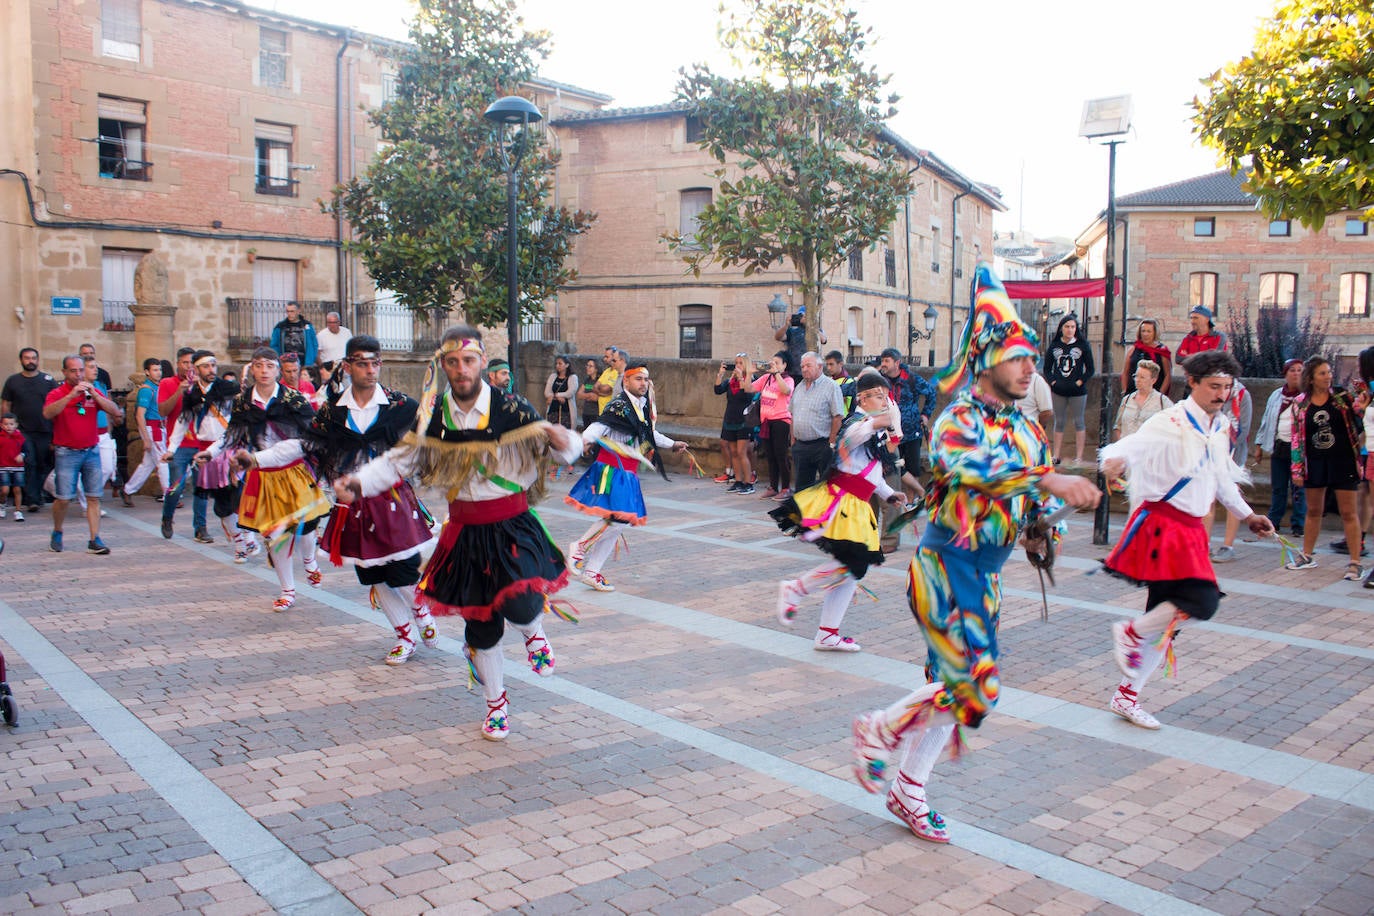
{"type": "Point", "coordinates": [381, 535]}
{"type": "Point", "coordinates": [283, 504]}
{"type": "Point", "coordinates": [1179, 461]}
{"type": "Point", "coordinates": [609, 489]}
{"type": "Point", "coordinates": [992, 476]}
{"type": "Point", "coordinates": [836, 514]}
{"type": "Point", "coordinates": [494, 563]}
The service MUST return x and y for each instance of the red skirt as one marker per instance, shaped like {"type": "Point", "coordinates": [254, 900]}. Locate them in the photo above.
{"type": "Point", "coordinates": [377, 530]}
{"type": "Point", "coordinates": [1161, 544]}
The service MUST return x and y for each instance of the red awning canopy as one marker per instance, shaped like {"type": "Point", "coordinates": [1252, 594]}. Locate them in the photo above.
{"type": "Point", "coordinates": [1060, 289]}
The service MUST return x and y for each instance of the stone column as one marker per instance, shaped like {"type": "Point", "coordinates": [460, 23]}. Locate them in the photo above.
{"type": "Point", "coordinates": [154, 314]}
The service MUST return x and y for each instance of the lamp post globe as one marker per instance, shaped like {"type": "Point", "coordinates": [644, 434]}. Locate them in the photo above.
{"type": "Point", "coordinates": [778, 308]}
{"type": "Point", "coordinates": [507, 112]}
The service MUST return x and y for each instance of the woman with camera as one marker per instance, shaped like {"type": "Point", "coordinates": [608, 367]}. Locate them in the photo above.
{"type": "Point", "coordinates": [774, 388]}
{"type": "Point", "coordinates": [735, 432]}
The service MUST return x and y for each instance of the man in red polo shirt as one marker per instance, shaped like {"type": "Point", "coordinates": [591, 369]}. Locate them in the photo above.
{"type": "Point", "coordinates": [1203, 337]}
{"type": "Point", "coordinates": [72, 408]}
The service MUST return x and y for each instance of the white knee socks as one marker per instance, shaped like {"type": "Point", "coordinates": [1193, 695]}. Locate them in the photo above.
{"type": "Point", "coordinates": [309, 541]}
{"type": "Point", "coordinates": [921, 752]}
{"type": "Point", "coordinates": [837, 602]}
{"type": "Point", "coordinates": [600, 552]}
{"type": "Point", "coordinates": [394, 605]}
{"type": "Point", "coordinates": [915, 710]}
{"type": "Point", "coordinates": [490, 667]}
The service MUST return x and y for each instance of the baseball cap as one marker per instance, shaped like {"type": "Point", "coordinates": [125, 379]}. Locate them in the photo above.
{"type": "Point", "coordinates": [1202, 310]}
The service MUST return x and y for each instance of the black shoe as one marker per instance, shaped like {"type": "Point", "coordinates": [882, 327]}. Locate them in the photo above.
{"type": "Point", "coordinates": [203, 536]}
{"type": "Point", "coordinates": [167, 528]}
{"type": "Point", "coordinates": [1342, 546]}
{"type": "Point", "coordinates": [97, 547]}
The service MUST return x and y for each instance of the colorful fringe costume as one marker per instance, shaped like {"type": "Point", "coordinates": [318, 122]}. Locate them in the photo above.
{"type": "Point", "coordinates": [609, 490]}
{"type": "Point", "coordinates": [987, 460]}
{"type": "Point", "coordinates": [837, 516]}
{"type": "Point", "coordinates": [494, 562]}
{"type": "Point", "coordinates": [284, 504]}
{"type": "Point", "coordinates": [382, 535]}
{"type": "Point", "coordinates": [1179, 463]}
{"type": "Point", "coordinates": [205, 413]}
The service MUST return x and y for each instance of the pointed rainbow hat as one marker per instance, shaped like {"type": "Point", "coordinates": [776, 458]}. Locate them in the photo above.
{"type": "Point", "coordinates": [993, 334]}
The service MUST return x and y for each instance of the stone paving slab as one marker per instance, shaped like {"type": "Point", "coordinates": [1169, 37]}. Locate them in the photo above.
{"type": "Point", "coordinates": [680, 762]}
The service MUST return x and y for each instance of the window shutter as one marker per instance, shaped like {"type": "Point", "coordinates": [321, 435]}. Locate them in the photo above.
{"type": "Point", "coordinates": [126, 110]}
{"type": "Point", "coordinates": [276, 133]}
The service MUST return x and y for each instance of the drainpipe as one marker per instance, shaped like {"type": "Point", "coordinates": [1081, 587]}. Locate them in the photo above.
{"type": "Point", "coordinates": [954, 258]}
{"type": "Point", "coordinates": [340, 256]}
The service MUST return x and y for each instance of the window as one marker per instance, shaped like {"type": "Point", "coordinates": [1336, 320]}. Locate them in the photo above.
{"type": "Point", "coordinates": [274, 159]}
{"type": "Point", "coordinates": [117, 287]}
{"type": "Point", "coordinates": [1278, 291]}
{"type": "Point", "coordinates": [892, 330]}
{"type": "Point", "coordinates": [890, 267]}
{"type": "Point", "coordinates": [856, 264]}
{"type": "Point", "coordinates": [122, 125]}
{"type": "Point", "coordinates": [694, 200]}
{"type": "Point", "coordinates": [1354, 296]}
{"type": "Point", "coordinates": [1202, 290]}
{"type": "Point", "coordinates": [694, 133]}
{"type": "Point", "coordinates": [854, 331]}
{"type": "Point", "coordinates": [121, 28]}
{"type": "Point", "coordinates": [935, 249]}
{"type": "Point", "coordinates": [935, 192]}
{"type": "Point", "coordinates": [1280, 228]}
{"type": "Point", "coordinates": [958, 256]}
{"type": "Point", "coordinates": [1205, 226]}
{"type": "Point", "coordinates": [274, 58]}
{"type": "Point", "coordinates": [391, 87]}
{"type": "Point", "coordinates": [694, 332]}
{"type": "Point", "coordinates": [1356, 226]}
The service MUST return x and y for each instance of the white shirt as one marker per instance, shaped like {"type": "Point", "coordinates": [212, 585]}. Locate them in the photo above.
{"type": "Point", "coordinates": [331, 344]}
{"type": "Point", "coordinates": [384, 470]}
{"type": "Point", "coordinates": [854, 462]}
{"type": "Point", "coordinates": [1037, 399]}
{"type": "Point", "coordinates": [599, 430]}
{"type": "Point", "coordinates": [1182, 441]}
{"type": "Point", "coordinates": [290, 451]}
{"type": "Point", "coordinates": [209, 429]}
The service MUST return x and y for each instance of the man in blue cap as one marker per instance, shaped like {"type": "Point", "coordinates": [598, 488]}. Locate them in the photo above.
{"type": "Point", "coordinates": [1203, 337]}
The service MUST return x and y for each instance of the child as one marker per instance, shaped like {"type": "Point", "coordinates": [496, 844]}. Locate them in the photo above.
{"type": "Point", "coordinates": [11, 464]}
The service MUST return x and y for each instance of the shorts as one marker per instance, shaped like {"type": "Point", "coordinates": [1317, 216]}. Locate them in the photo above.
{"type": "Point", "coordinates": [11, 477]}
{"type": "Point", "coordinates": [1197, 598]}
{"type": "Point", "coordinates": [1332, 475]}
{"type": "Point", "coordinates": [733, 433]}
{"type": "Point", "coordinates": [74, 463]}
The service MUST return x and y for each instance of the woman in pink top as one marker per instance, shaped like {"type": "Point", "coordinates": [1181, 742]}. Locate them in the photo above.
{"type": "Point", "coordinates": [775, 424]}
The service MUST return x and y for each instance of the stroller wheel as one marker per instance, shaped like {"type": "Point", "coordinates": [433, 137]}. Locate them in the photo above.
{"type": "Point", "coordinates": [10, 709]}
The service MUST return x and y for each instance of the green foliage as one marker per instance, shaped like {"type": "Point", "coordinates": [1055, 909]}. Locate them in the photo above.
{"type": "Point", "coordinates": [1277, 336]}
{"type": "Point", "coordinates": [808, 178]}
{"type": "Point", "coordinates": [1297, 114]}
{"type": "Point", "coordinates": [429, 214]}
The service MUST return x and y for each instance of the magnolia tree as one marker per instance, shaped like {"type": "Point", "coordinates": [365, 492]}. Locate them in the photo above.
{"type": "Point", "coordinates": [805, 177]}
{"type": "Point", "coordinates": [429, 214]}
{"type": "Point", "coordinates": [1297, 114]}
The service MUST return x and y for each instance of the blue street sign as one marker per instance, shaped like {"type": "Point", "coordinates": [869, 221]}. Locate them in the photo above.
{"type": "Point", "coordinates": [66, 305]}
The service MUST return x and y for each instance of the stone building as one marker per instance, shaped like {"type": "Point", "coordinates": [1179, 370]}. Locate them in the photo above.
{"type": "Point", "coordinates": [206, 132]}
{"type": "Point", "coordinates": [642, 171]}
{"type": "Point", "coordinates": [203, 131]}
{"type": "Point", "coordinates": [1204, 241]}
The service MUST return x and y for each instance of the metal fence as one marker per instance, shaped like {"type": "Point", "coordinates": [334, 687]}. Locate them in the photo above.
{"type": "Point", "coordinates": [545, 329]}
{"type": "Point", "coordinates": [115, 315]}
{"type": "Point", "coordinates": [400, 329]}
{"type": "Point", "coordinates": [251, 320]}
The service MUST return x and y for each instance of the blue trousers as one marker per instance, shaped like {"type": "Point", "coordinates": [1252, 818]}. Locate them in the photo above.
{"type": "Point", "coordinates": [180, 478]}
{"type": "Point", "coordinates": [1281, 480]}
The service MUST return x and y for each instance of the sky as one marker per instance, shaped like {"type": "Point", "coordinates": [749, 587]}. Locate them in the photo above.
{"type": "Point", "coordinates": [994, 88]}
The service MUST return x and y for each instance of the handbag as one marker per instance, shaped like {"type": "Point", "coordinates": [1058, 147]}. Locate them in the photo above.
{"type": "Point", "coordinates": [751, 414]}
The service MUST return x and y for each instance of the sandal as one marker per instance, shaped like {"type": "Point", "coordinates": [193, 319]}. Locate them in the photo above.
{"type": "Point", "coordinates": [915, 812]}
{"type": "Point", "coordinates": [1353, 573]}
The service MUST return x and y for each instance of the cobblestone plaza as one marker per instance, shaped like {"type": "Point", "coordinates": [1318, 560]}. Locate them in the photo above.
{"type": "Point", "coordinates": [182, 748]}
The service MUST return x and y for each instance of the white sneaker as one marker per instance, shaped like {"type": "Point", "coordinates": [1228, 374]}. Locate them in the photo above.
{"type": "Point", "coordinates": [429, 633]}
{"type": "Point", "coordinates": [1133, 713]}
{"type": "Point", "coordinates": [577, 557]}
{"type": "Point", "coordinates": [254, 548]}
{"type": "Point", "coordinates": [18, 516]}
{"type": "Point", "coordinates": [2, 511]}
{"type": "Point", "coordinates": [597, 581]}
{"type": "Point", "coordinates": [401, 652]}
{"type": "Point", "coordinates": [828, 640]}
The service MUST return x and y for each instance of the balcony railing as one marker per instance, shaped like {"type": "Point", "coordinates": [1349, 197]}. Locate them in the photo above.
{"type": "Point", "coordinates": [545, 329]}
{"type": "Point", "coordinates": [115, 315]}
{"type": "Point", "coordinates": [397, 328]}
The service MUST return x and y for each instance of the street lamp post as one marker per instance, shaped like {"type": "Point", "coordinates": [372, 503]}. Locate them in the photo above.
{"type": "Point", "coordinates": [1108, 121]}
{"type": "Point", "coordinates": [778, 309]}
{"type": "Point", "coordinates": [913, 335]}
{"type": "Point", "coordinates": [508, 112]}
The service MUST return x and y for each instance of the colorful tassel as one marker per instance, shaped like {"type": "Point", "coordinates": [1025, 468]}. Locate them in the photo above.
{"type": "Point", "coordinates": [561, 609]}
{"type": "Point", "coordinates": [473, 678]}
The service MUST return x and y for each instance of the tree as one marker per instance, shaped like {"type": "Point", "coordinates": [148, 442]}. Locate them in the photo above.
{"type": "Point", "coordinates": [803, 132]}
{"type": "Point", "coordinates": [1277, 336]}
{"type": "Point", "coordinates": [429, 214]}
{"type": "Point", "coordinates": [1297, 114]}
